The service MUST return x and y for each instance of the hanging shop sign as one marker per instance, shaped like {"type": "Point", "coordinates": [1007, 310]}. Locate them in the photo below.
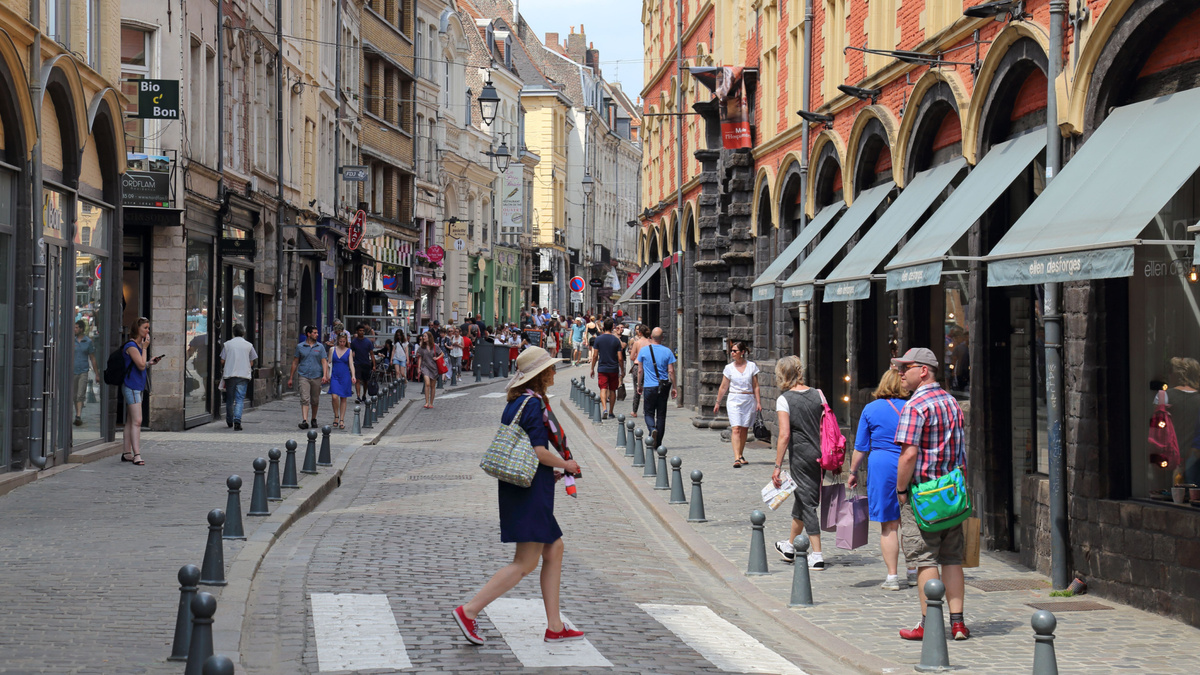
{"type": "Point", "coordinates": [546, 277]}
{"type": "Point", "coordinates": [436, 253]}
{"type": "Point", "coordinates": [429, 281]}
{"type": "Point", "coordinates": [596, 283]}
{"type": "Point", "coordinates": [158, 99]}
{"type": "Point", "coordinates": [727, 83]}
{"type": "Point", "coordinates": [356, 230]}
{"type": "Point", "coordinates": [246, 247]}
{"type": "Point", "coordinates": [357, 174]}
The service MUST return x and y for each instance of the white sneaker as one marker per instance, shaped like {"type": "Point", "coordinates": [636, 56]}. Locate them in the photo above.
{"type": "Point", "coordinates": [786, 550]}
{"type": "Point", "coordinates": [815, 564]}
{"type": "Point", "coordinates": [891, 584]}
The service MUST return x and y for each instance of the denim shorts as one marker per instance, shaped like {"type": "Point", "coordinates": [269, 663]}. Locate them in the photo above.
{"type": "Point", "coordinates": [132, 396]}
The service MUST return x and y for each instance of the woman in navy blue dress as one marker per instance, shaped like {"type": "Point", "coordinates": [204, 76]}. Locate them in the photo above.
{"type": "Point", "coordinates": [875, 442]}
{"type": "Point", "coordinates": [527, 514]}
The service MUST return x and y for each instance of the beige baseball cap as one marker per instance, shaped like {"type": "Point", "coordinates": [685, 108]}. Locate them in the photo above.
{"type": "Point", "coordinates": [919, 355]}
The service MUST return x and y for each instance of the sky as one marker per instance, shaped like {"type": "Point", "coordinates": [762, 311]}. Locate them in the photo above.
{"type": "Point", "coordinates": [614, 26]}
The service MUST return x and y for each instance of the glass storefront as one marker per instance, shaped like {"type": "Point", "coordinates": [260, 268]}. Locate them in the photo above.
{"type": "Point", "coordinates": [89, 323]}
{"type": "Point", "coordinates": [6, 312]}
{"type": "Point", "coordinates": [197, 377]}
{"type": "Point", "coordinates": [1164, 341]}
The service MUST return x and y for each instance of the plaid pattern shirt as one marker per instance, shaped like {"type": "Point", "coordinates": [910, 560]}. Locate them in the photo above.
{"type": "Point", "coordinates": [933, 421]}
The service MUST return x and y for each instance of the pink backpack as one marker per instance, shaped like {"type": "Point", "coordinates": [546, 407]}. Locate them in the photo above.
{"type": "Point", "coordinates": [1163, 444]}
{"type": "Point", "coordinates": [833, 443]}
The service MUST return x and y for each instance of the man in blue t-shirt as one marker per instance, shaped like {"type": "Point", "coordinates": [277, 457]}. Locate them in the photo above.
{"type": "Point", "coordinates": [577, 329]}
{"type": "Point", "coordinates": [657, 364]}
{"type": "Point", "coordinates": [362, 350]}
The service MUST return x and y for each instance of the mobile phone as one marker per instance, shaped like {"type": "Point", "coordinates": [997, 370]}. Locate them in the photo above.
{"type": "Point", "coordinates": [159, 358]}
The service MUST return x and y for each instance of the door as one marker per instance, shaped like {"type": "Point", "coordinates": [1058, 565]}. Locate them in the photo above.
{"type": "Point", "coordinates": [54, 433]}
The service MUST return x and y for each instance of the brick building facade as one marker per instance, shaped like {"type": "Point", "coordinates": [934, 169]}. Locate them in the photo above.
{"type": "Point", "coordinates": [919, 196]}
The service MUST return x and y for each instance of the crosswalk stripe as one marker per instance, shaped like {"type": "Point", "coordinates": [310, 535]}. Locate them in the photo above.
{"type": "Point", "coordinates": [523, 623]}
{"type": "Point", "coordinates": [495, 394]}
{"type": "Point", "coordinates": [445, 396]}
{"type": "Point", "coordinates": [356, 632]}
{"type": "Point", "coordinates": [724, 645]}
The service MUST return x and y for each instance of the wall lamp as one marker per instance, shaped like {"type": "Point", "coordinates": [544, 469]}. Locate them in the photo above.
{"type": "Point", "coordinates": [816, 118]}
{"type": "Point", "coordinates": [500, 154]}
{"type": "Point", "coordinates": [1014, 9]}
{"type": "Point", "coordinates": [860, 93]}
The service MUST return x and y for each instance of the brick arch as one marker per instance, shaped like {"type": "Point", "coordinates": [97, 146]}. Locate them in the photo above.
{"type": "Point", "coordinates": [20, 128]}
{"type": "Point", "coordinates": [875, 124]}
{"type": "Point", "coordinates": [689, 231]}
{"type": "Point", "coordinates": [933, 89]}
{"type": "Point", "coordinates": [787, 194]}
{"type": "Point", "coordinates": [1019, 46]}
{"type": "Point", "coordinates": [763, 182]}
{"type": "Point", "coordinates": [828, 147]}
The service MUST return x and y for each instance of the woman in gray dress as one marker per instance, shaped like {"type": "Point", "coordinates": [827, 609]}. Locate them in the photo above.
{"type": "Point", "coordinates": [799, 409]}
{"type": "Point", "coordinates": [427, 355]}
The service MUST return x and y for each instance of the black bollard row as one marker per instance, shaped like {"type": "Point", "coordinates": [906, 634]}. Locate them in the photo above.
{"type": "Point", "coordinates": [289, 466]}
{"type": "Point", "coordinates": [212, 570]}
{"type": "Point", "coordinates": [233, 510]}
{"type": "Point", "coordinates": [273, 492]}
{"type": "Point", "coordinates": [677, 496]}
{"type": "Point", "coordinates": [258, 495]}
{"type": "Point", "coordinates": [696, 513]}
{"type": "Point", "coordinates": [189, 576]}
{"type": "Point", "coordinates": [310, 453]}
{"type": "Point", "coordinates": [801, 582]}
{"type": "Point", "coordinates": [662, 480]}
{"type": "Point", "coordinates": [325, 458]}
{"type": "Point", "coordinates": [200, 647]}
{"type": "Point", "coordinates": [218, 664]}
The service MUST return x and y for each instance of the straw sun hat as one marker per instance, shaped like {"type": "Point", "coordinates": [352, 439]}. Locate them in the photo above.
{"type": "Point", "coordinates": [530, 363]}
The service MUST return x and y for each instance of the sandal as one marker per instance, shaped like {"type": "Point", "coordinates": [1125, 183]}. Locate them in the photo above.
{"type": "Point", "coordinates": [739, 463]}
{"type": "Point", "coordinates": [126, 458]}
{"type": "Point", "coordinates": [137, 460]}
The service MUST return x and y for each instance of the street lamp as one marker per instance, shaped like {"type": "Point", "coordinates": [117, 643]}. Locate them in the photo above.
{"type": "Point", "coordinates": [489, 102]}
{"type": "Point", "coordinates": [502, 155]}
{"type": "Point", "coordinates": [589, 184]}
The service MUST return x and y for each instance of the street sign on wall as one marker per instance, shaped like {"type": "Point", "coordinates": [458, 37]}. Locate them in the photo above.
{"type": "Point", "coordinates": [357, 174]}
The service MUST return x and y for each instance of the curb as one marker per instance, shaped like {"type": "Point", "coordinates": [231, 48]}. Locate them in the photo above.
{"type": "Point", "coordinates": [828, 643]}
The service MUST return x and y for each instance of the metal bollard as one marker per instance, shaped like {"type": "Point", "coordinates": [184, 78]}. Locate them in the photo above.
{"type": "Point", "coordinates": [273, 493]}
{"type": "Point", "coordinates": [662, 479]}
{"type": "Point", "coordinates": [368, 414]}
{"type": "Point", "coordinates": [628, 426]}
{"type": "Point", "coordinates": [758, 545]}
{"type": "Point", "coordinates": [650, 471]}
{"type": "Point", "coordinates": [258, 495]}
{"type": "Point", "coordinates": [677, 482]}
{"type": "Point", "coordinates": [200, 647]}
{"type": "Point", "coordinates": [403, 388]}
{"type": "Point", "coordinates": [639, 452]}
{"type": "Point", "coordinates": [1044, 661]}
{"type": "Point", "coordinates": [232, 528]}
{"type": "Point", "coordinates": [357, 428]}
{"type": "Point", "coordinates": [801, 582]}
{"type": "Point", "coordinates": [934, 655]}
{"type": "Point", "coordinates": [696, 513]}
{"type": "Point", "coordinates": [189, 576]}
{"type": "Point", "coordinates": [453, 376]}
{"type": "Point", "coordinates": [218, 664]}
{"type": "Point", "coordinates": [439, 382]}
{"type": "Point", "coordinates": [324, 458]}
{"type": "Point", "coordinates": [289, 466]}
{"type": "Point", "coordinates": [310, 453]}
{"type": "Point", "coordinates": [597, 408]}
{"type": "Point", "coordinates": [574, 390]}
{"type": "Point", "coordinates": [212, 569]}
{"type": "Point", "coordinates": [621, 431]}
{"type": "Point", "coordinates": [477, 370]}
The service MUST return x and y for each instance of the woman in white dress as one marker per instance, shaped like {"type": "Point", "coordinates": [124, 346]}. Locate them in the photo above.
{"type": "Point", "coordinates": [740, 379]}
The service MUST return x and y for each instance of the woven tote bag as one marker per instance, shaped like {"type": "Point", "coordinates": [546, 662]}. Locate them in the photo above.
{"type": "Point", "coordinates": [510, 457]}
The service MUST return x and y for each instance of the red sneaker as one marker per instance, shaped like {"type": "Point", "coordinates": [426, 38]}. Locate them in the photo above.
{"type": "Point", "coordinates": [470, 627]}
{"type": "Point", "coordinates": [959, 630]}
{"type": "Point", "coordinates": [917, 633]}
{"type": "Point", "coordinates": [567, 633]}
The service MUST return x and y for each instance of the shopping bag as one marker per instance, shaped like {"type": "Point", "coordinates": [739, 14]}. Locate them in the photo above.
{"type": "Point", "coordinates": [831, 502]}
{"type": "Point", "coordinates": [971, 539]}
{"type": "Point", "coordinates": [852, 523]}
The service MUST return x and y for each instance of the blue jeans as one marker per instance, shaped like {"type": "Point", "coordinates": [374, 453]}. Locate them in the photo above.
{"type": "Point", "coordinates": [235, 396]}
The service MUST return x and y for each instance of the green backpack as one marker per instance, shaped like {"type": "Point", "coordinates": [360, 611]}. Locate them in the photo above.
{"type": "Point", "coordinates": [941, 503]}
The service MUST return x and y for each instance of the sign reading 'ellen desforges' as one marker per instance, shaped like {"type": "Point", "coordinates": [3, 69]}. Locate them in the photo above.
{"type": "Point", "coordinates": [1078, 266]}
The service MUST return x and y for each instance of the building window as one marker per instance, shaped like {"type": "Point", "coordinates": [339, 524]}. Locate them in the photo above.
{"type": "Point", "coordinates": [419, 51]}
{"type": "Point", "coordinates": [834, 33]}
{"type": "Point", "coordinates": [136, 64]}
{"type": "Point", "coordinates": [58, 21]}
{"type": "Point", "coordinates": [93, 33]}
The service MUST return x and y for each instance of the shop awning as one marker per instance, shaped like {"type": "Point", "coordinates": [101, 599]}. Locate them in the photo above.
{"type": "Point", "coordinates": [1087, 221]}
{"type": "Point", "coordinates": [799, 287]}
{"type": "Point", "coordinates": [851, 279]}
{"type": "Point", "coordinates": [763, 287]}
{"type": "Point", "coordinates": [919, 263]}
{"type": "Point", "coordinates": [647, 272]}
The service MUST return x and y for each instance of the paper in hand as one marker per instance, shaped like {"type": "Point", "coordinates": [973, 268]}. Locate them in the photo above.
{"type": "Point", "coordinates": [774, 496]}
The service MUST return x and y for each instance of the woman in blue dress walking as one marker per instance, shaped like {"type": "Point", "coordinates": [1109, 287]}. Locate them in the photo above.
{"type": "Point", "coordinates": [527, 514]}
{"type": "Point", "coordinates": [341, 379]}
{"type": "Point", "coordinates": [875, 441]}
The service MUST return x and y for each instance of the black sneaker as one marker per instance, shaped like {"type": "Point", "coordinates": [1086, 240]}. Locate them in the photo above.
{"type": "Point", "coordinates": [78, 421]}
{"type": "Point", "coordinates": [303, 424]}
{"type": "Point", "coordinates": [228, 422]}
{"type": "Point", "coordinates": [237, 426]}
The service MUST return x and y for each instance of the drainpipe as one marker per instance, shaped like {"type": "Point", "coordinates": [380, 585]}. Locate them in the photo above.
{"type": "Point", "coordinates": [806, 98]}
{"type": "Point", "coordinates": [37, 375]}
{"type": "Point", "coordinates": [279, 196]}
{"type": "Point", "coordinates": [678, 318]}
{"type": "Point", "coordinates": [337, 123]}
{"type": "Point", "coordinates": [1052, 312]}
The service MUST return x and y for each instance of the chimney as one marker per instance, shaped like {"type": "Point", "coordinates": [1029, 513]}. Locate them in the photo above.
{"type": "Point", "coordinates": [552, 41]}
{"type": "Point", "coordinates": [593, 60]}
{"type": "Point", "coordinates": [577, 46]}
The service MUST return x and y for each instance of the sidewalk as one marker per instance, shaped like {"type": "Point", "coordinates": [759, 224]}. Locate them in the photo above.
{"type": "Point", "coordinates": [849, 603]}
{"type": "Point", "coordinates": [91, 553]}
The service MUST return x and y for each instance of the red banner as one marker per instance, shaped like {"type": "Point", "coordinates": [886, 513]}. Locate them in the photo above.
{"type": "Point", "coordinates": [727, 83]}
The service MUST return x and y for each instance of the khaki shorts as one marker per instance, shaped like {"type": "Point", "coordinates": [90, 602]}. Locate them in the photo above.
{"type": "Point", "coordinates": [81, 386]}
{"type": "Point", "coordinates": [310, 390]}
{"type": "Point", "coordinates": [929, 549]}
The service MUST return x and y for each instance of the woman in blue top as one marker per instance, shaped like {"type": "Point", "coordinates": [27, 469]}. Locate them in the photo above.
{"type": "Point", "coordinates": [527, 514]}
{"type": "Point", "coordinates": [875, 441]}
{"type": "Point", "coordinates": [134, 386]}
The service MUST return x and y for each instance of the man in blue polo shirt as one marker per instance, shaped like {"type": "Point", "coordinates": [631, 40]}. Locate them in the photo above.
{"type": "Point", "coordinates": [312, 363]}
{"type": "Point", "coordinates": [577, 329]}
{"type": "Point", "coordinates": [657, 364]}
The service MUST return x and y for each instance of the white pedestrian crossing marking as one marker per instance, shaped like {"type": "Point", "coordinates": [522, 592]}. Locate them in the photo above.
{"type": "Point", "coordinates": [356, 632]}
{"type": "Point", "coordinates": [445, 396]}
{"type": "Point", "coordinates": [523, 624]}
{"type": "Point", "coordinates": [495, 394]}
{"type": "Point", "coordinates": [724, 645]}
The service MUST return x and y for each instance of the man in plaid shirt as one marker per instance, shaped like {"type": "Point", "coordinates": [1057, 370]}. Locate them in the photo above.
{"type": "Point", "coordinates": [930, 435]}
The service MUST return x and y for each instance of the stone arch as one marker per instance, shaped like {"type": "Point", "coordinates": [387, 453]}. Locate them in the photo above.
{"type": "Point", "coordinates": [873, 133]}
{"type": "Point", "coordinates": [16, 107]}
{"type": "Point", "coordinates": [689, 232]}
{"type": "Point", "coordinates": [826, 170]}
{"type": "Point", "coordinates": [61, 82]}
{"type": "Point", "coordinates": [788, 197]}
{"type": "Point", "coordinates": [932, 94]}
{"type": "Point", "coordinates": [764, 181]}
{"type": "Point", "coordinates": [1137, 29]}
{"type": "Point", "coordinates": [1019, 46]}
{"type": "Point", "coordinates": [1018, 82]}
{"type": "Point", "coordinates": [654, 244]}
{"type": "Point", "coordinates": [107, 141]}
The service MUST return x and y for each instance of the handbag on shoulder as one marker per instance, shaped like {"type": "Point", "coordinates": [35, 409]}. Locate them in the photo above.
{"type": "Point", "coordinates": [941, 503]}
{"type": "Point", "coordinates": [510, 457]}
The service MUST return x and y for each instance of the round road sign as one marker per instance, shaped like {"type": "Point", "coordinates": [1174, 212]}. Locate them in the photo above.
{"type": "Point", "coordinates": [577, 284]}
